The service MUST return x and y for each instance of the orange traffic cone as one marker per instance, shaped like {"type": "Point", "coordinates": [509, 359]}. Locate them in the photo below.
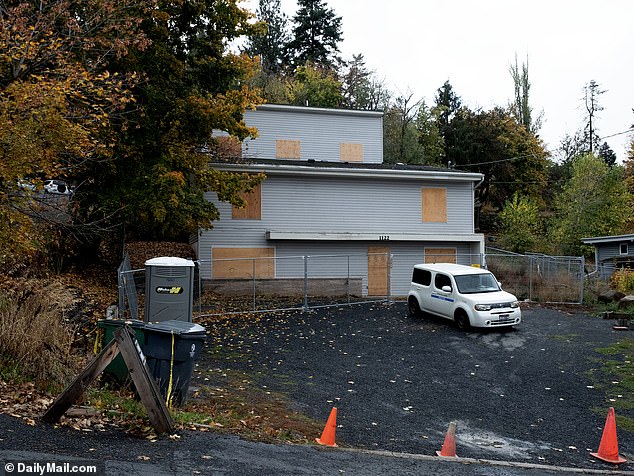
{"type": "Point", "coordinates": [328, 435]}
{"type": "Point", "coordinates": [449, 446]}
{"type": "Point", "coordinates": [609, 446]}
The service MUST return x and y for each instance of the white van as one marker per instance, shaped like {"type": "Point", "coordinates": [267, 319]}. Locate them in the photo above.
{"type": "Point", "coordinates": [470, 296]}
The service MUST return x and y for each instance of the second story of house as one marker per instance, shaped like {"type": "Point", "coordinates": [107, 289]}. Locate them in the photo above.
{"type": "Point", "coordinates": [308, 133]}
{"type": "Point", "coordinates": [318, 200]}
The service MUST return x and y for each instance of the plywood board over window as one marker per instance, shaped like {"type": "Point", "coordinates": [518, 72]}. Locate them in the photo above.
{"type": "Point", "coordinates": [228, 147]}
{"type": "Point", "coordinates": [253, 208]}
{"type": "Point", "coordinates": [241, 263]}
{"type": "Point", "coordinates": [434, 201]}
{"type": "Point", "coordinates": [440, 255]}
{"type": "Point", "coordinates": [287, 149]}
{"type": "Point", "coordinates": [350, 152]}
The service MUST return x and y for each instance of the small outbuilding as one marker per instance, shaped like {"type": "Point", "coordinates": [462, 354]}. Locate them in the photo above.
{"type": "Point", "coordinates": [612, 253]}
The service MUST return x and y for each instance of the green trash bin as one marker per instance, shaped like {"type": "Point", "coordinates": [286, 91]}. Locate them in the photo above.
{"type": "Point", "coordinates": [170, 349]}
{"type": "Point", "coordinates": [107, 327]}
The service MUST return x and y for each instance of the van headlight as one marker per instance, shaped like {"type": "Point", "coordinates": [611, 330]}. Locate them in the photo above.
{"type": "Point", "coordinates": [515, 304]}
{"type": "Point", "coordinates": [483, 307]}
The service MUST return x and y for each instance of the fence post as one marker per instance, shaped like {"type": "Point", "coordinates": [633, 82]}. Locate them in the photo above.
{"type": "Point", "coordinates": [348, 281]}
{"type": "Point", "coordinates": [305, 283]}
{"type": "Point", "coordinates": [582, 279]}
{"type": "Point", "coordinates": [254, 285]}
{"type": "Point", "coordinates": [530, 277]}
{"type": "Point", "coordinates": [121, 291]}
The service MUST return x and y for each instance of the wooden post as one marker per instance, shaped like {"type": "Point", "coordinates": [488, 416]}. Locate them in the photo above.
{"type": "Point", "coordinates": [76, 389]}
{"type": "Point", "coordinates": [145, 384]}
{"type": "Point", "coordinates": [146, 387]}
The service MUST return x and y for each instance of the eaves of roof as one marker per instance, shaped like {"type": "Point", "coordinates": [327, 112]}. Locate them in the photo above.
{"type": "Point", "coordinates": [343, 169]}
{"type": "Point", "coordinates": [318, 110]}
{"type": "Point", "coordinates": [607, 239]}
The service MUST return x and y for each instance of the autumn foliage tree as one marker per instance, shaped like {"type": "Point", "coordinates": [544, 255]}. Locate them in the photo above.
{"type": "Point", "coordinates": [57, 102]}
{"type": "Point", "coordinates": [120, 99]}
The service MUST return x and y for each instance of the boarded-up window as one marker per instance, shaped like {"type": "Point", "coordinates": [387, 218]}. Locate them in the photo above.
{"type": "Point", "coordinates": [241, 263]}
{"type": "Point", "coordinates": [440, 255]}
{"type": "Point", "coordinates": [434, 205]}
{"type": "Point", "coordinates": [253, 207]}
{"type": "Point", "coordinates": [350, 152]}
{"type": "Point", "coordinates": [228, 147]}
{"type": "Point", "coordinates": [287, 149]}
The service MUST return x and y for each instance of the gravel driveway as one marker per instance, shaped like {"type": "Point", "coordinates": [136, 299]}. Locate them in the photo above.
{"type": "Point", "coordinates": [528, 394]}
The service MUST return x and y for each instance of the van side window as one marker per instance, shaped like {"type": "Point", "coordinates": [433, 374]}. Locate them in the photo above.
{"type": "Point", "coordinates": [442, 280]}
{"type": "Point", "coordinates": [421, 276]}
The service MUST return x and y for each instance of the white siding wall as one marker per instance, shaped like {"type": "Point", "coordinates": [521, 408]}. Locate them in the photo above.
{"type": "Point", "coordinates": [317, 204]}
{"type": "Point", "coordinates": [320, 134]}
{"type": "Point", "coordinates": [313, 204]}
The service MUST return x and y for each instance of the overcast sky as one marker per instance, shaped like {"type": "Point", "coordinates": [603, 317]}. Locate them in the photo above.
{"type": "Point", "coordinates": [416, 45]}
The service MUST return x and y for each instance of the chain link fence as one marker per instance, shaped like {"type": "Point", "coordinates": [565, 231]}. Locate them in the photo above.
{"type": "Point", "coordinates": [307, 282]}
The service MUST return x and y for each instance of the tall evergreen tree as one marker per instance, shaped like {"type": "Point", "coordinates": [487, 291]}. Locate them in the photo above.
{"type": "Point", "coordinates": [447, 104]}
{"type": "Point", "coordinates": [270, 46]}
{"type": "Point", "coordinates": [357, 84]}
{"type": "Point", "coordinates": [316, 35]}
{"type": "Point", "coordinates": [607, 154]}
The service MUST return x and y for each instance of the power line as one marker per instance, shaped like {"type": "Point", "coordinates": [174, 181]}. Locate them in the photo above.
{"type": "Point", "coordinates": [631, 129]}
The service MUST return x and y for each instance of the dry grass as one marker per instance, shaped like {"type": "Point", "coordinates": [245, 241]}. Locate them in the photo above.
{"type": "Point", "coordinates": [35, 341]}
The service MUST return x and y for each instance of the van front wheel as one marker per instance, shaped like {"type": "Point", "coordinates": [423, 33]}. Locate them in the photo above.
{"type": "Point", "coordinates": [462, 320]}
{"type": "Point", "coordinates": [413, 307]}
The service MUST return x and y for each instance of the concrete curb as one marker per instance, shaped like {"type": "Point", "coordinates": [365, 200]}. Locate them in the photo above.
{"type": "Point", "coordinates": [487, 462]}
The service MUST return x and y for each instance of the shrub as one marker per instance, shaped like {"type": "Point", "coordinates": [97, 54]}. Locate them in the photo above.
{"type": "Point", "coordinates": [35, 341]}
{"type": "Point", "coordinates": [623, 280]}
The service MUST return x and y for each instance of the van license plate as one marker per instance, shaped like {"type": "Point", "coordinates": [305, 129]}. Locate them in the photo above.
{"type": "Point", "coordinates": [503, 316]}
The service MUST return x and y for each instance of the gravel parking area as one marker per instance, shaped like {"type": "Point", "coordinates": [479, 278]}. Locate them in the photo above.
{"type": "Point", "coordinates": [528, 394]}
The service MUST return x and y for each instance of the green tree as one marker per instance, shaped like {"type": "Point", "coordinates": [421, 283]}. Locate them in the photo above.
{"type": "Point", "coordinates": [607, 154]}
{"type": "Point", "coordinates": [520, 224]}
{"type": "Point", "coordinates": [429, 137]}
{"type": "Point", "coordinates": [448, 103]}
{"type": "Point", "coordinates": [356, 84]}
{"type": "Point", "coordinates": [496, 145]}
{"type": "Point", "coordinates": [270, 45]}
{"type": "Point", "coordinates": [316, 35]}
{"type": "Point", "coordinates": [520, 107]}
{"type": "Point", "coordinates": [314, 86]}
{"type": "Point", "coordinates": [595, 202]}
{"type": "Point", "coordinates": [400, 137]}
{"type": "Point", "coordinates": [192, 85]}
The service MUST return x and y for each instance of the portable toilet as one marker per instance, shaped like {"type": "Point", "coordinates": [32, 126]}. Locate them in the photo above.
{"type": "Point", "coordinates": [169, 289]}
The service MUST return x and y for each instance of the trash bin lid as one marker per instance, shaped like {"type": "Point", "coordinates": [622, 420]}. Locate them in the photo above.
{"type": "Point", "coordinates": [176, 327]}
{"type": "Point", "coordinates": [135, 323]}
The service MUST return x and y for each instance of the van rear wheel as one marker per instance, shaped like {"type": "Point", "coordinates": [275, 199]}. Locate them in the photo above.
{"type": "Point", "coordinates": [462, 320]}
{"type": "Point", "coordinates": [413, 307]}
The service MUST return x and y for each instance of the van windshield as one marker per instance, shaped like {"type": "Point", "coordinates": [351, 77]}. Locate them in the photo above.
{"type": "Point", "coordinates": [477, 283]}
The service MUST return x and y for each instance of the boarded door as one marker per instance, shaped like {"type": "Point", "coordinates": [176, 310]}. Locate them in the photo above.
{"type": "Point", "coordinates": [378, 272]}
{"type": "Point", "coordinates": [440, 255]}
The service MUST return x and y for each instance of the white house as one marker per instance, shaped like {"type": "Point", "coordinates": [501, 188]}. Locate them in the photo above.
{"type": "Point", "coordinates": [328, 196]}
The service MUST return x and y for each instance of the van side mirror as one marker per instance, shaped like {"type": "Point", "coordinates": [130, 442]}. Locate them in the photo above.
{"type": "Point", "coordinates": [446, 289]}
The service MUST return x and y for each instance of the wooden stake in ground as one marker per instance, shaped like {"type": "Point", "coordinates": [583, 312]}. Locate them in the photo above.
{"type": "Point", "coordinates": [146, 387]}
